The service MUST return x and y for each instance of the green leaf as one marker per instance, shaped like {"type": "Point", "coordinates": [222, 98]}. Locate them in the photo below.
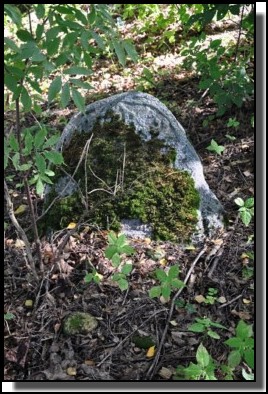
{"type": "Point", "coordinates": [243, 330]}
{"type": "Point", "coordinates": [52, 46]}
{"type": "Point", "coordinates": [39, 187]}
{"type": "Point", "coordinates": [117, 276]}
{"type": "Point", "coordinates": [121, 241]}
{"type": "Point", "coordinates": [78, 70]}
{"type": "Point", "coordinates": [110, 251]}
{"type": "Point", "coordinates": [85, 37]}
{"type": "Point", "coordinates": [193, 372]}
{"type": "Point", "coordinates": [178, 284]}
{"type": "Point", "coordinates": [10, 82]}
{"type": "Point", "coordinates": [54, 88]}
{"type": "Point", "coordinates": [40, 163]}
{"type": "Point", "coordinates": [39, 137]}
{"type": "Point", "coordinates": [11, 44]}
{"type": "Point", "coordinates": [215, 44]}
{"type": "Point", "coordinates": [239, 201]}
{"type": "Point", "coordinates": [155, 291]}
{"type": "Point", "coordinates": [54, 157]}
{"type": "Point", "coordinates": [249, 203]}
{"type": "Point", "coordinates": [65, 95]}
{"type": "Point", "coordinates": [173, 272]}
{"type": "Point", "coordinates": [88, 278]}
{"type": "Point", "coordinates": [246, 217]}
{"type": "Point", "coordinates": [112, 238]}
{"type": "Point", "coordinates": [28, 142]}
{"type": "Point", "coordinates": [40, 11]}
{"type": "Point", "coordinates": [51, 141]}
{"type": "Point", "coordinates": [218, 325]}
{"type": "Point", "coordinates": [234, 342]}
{"type": "Point", "coordinates": [116, 260]}
{"type": "Point", "coordinates": [213, 334]}
{"type": "Point", "coordinates": [128, 250]}
{"type": "Point", "coordinates": [92, 15]}
{"type": "Point", "coordinates": [98, 39]}
{"type": "Point", "coordinates": [24, 35]}
{"type": "Point", "coordinates": [80, 16]}
{"type": "Point", "coordinates": [234, 358]}
{"type": "Point", "coordinates": [13, 142]}
{"type": "Point", "coordinates": [15, 160]}
{"type": "Point", "coordinates": [196, 327]}
{"type": "Point", "coordinates": [166, 290]}
{"type": "Point", "coordinates": [126, 269]}
{"type": "Point", "coordinates": [25, 166]}
{"type": "Point", "coordinates": [161, 275]}
{"type": "Point", "coordinates": [14, 13]}
{"type": "Point", "coordinates": [9, 316]}
{"type": "Point", "coordinates": [214, 147]}
{"type": "Point", "coordinates": [78, 100]}
{"type": "Point", "coordinates": [26, 100]}
{"type": "Point", "coordinates": [119, 50]}
{"type": "Point", "coordinates": [202, 356]}
{"type": "Point", "coordinates": [46, 179]}
{"type": "Point", "coordinates": [130, 49]}
{"type": "Point", "coordinates": [123, 284]}
{"type": "Point", "coordinates": [50, 173]}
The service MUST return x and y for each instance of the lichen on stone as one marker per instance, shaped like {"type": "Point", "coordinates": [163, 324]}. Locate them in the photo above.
{"type": "Point", "coordinates": [133, 179]}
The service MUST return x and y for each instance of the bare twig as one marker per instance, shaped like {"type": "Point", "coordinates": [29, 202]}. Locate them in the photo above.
{"type": "Point", "coordinates": [20, 231]}
{"type": "Point", "coordinates": [230, 302]}
{"type": "Point", "coordinates": [152, 368]}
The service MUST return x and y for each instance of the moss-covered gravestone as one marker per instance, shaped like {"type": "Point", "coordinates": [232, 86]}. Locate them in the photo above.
{"type": "Point", "coordinates": [132, 168]}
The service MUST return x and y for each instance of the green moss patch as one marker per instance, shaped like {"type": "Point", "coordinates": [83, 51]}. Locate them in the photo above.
{"type": "Point", "coordinates": [130, 179]}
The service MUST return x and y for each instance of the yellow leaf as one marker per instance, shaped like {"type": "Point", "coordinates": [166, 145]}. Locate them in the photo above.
{"type": "Point", "coordinates": [221, 300]}
{"type": "Point", "coordinates": [20, 209]}
{"type": "Point", "coordinates": [199, 298]}
{"type": "Point", "coordinates": [245, 301]}
{"type": "Point", "coordinates": [71, 226]}
{"type": "Point", "coordinates": [163, 261]}
{"type": "Point", "coordinates": [150, 352]}
{"type": "Point", "coordinates": [29, 303]}
{"type": "Point", "coordinates": [71, 371]}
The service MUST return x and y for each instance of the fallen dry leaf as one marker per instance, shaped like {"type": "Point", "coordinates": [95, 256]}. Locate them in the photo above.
{"type": "Point", "coordinates": [242, 315]}
{"type": "Point", "coordinates": [21, 209]}
{"type": "Point", "coordinates": [71, 226]}
{"type": "Point", "coordinates": [221, 300]}
{"type": "Point", "coordinates": [71, 371]}
{"type": "Point", "coordinates": [19, 243]}
{"type": "Point", "coordinates": [200, 298]}
{"type": "Point", "coordinates": [150, 352]}
{"type": "Point", "coordinates": [165, 373]}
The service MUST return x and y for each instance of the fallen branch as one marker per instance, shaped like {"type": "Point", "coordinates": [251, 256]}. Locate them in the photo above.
{"type": "Point", "coordinates": [151, 370]}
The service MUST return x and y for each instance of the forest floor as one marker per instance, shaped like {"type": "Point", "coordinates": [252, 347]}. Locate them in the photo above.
{"type": "Point", "coordinates": [35, 346]}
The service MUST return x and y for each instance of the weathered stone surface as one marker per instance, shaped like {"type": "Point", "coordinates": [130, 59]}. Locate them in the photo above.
{"type": "Point", "coordinates": [147, 113]}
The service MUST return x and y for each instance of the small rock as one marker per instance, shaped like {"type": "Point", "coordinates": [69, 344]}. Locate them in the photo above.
{"type": "Point", "coordinates": [79, 323]}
